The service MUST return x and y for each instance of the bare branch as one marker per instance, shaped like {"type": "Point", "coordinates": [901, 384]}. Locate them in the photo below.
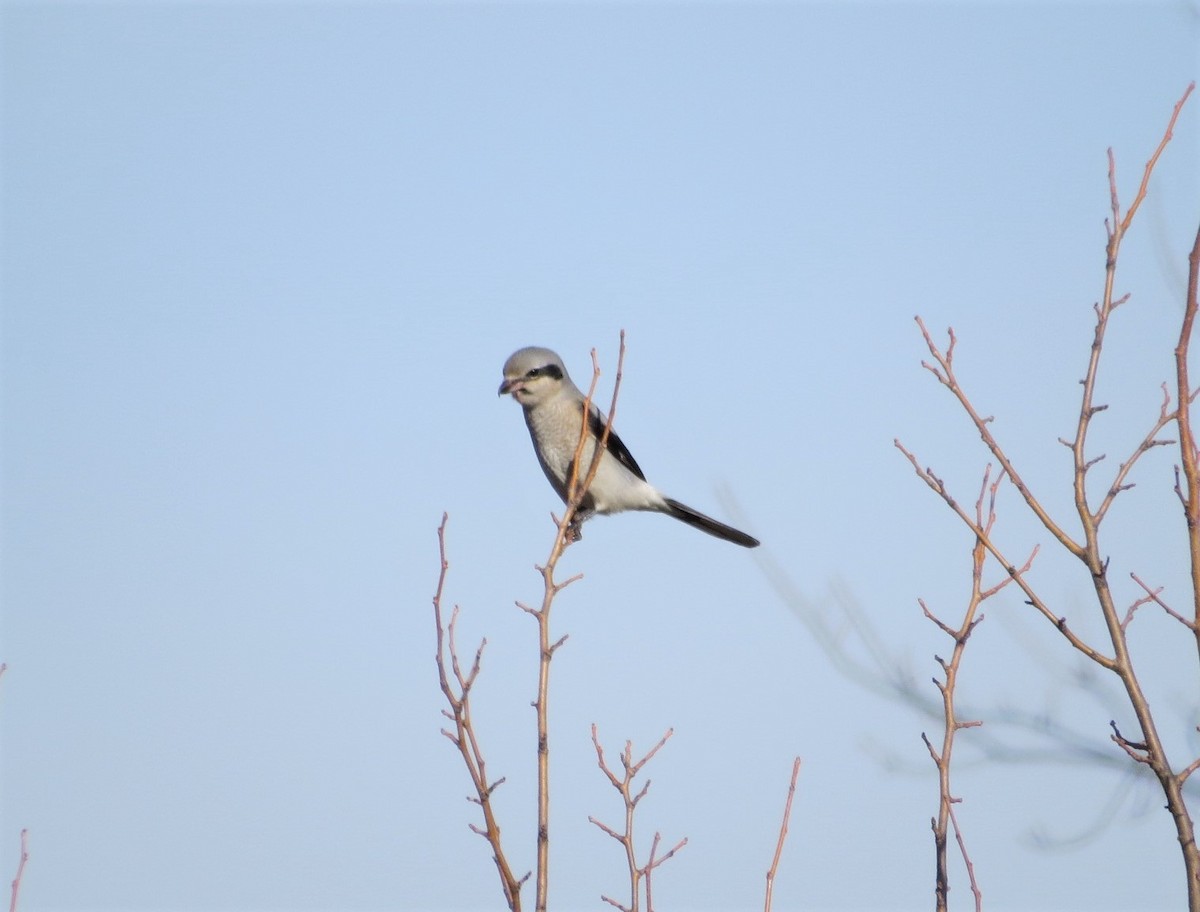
{"type": "Point", "coordinates": [654, 862]}
{"type": "Point", "coordinates": [1138, 750]}
{"type": "Point", "coordinates": [947, 379]}
{"type": "Point", "coordinates": [16, 884]}
{"type": "Point", "coordinates": [1187, 440]}
{"type": "Point", "coordinates": [463, 736]}
{"type": "Point", "coordinates": [1189, 769]}
{"type": "Point", "coordinates": [783, 829]}
{"type": "Point", "coordinates": [613, 902]}
{"type": "Point", "coordinates": [624, 786]}
{"type": "Point", "coordinates": [1017, 574]}
{"type": "Point", "coordinates": [576, 491]}
{"type": "Point", "coordinates": [1141, 193]}
{"type": "Point", "coordinates": [606, 828]}
{"type": "Point", "coordinates": [970, 865]}
{"type": "Point", "coordinates": [982, 523]}
{"type": "Point", "coordinates": [1152, 595]}
{"type": "Point", "coordinates": [568, 531]}
{"type": "Point", "coordinates": [1151, 440]}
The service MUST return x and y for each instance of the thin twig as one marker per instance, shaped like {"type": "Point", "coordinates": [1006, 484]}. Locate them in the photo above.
{"type": "Point", "coordinates": [783, 829]}
{"type": "Point", "coordinates": [566, 533]}
{"type": "Point", "coordinates": [944, 372]}
{"type": "Point", "coordinates": [1189, 769]}
{"type": "Point", "coordinates": [654, 862]}
{"type": "Point", "coordinates": [984, 521]}
{"type": "Point", "coordinates": [1168, 134]}
{"type": "Point", "coordinates": [458, 696]}
{"type": "Point", "coordinates": [886, 672]}
{"type": "Point", "coordinates": [1017, 573]}
{"type": "Point", "coordinates": [624, 786]}
{"type": "Point", "coordinates": [1151, 440]}
{"type": "Point", "coordinates": [16, 884]}
{"type": "Point", "coordinates": [970, 865]}
{"type": "Point", "coordinates": [1187, 440]}
{"type": "Point", "coordinates": [1149, 751]}
{"type": "Point", "coordinates": [1152, 595]}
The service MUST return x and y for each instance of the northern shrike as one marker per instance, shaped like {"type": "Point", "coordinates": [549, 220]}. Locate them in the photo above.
{"type": "Point", "coordinates": [553, 405]}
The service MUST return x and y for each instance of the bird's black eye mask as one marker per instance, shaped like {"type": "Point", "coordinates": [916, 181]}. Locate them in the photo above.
{"type": "Point", "coordinates": [550, 370]}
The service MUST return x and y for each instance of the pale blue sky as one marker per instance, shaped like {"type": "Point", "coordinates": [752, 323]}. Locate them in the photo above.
{"type": "Point", "coordinates": [262, 263]}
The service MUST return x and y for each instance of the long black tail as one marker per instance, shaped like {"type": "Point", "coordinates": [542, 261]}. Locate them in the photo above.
{"type": "Point", "coordinates": [707, 524]}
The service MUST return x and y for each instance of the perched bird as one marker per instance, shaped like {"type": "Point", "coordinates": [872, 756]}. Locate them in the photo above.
{"type": "Point", "coordinates": [553, 405]}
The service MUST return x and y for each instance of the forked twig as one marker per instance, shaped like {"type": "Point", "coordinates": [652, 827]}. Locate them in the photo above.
{"type": "Point", "coordinates": [456, 683]}
{"type": "Point", "coordinates": [1165, 416]}
{"type": "Point", "coordinates": [943, 370]}
{"type": "Point", "coordinates": [946, 818]}
{"type": "Point", "coordinates": [458, 696]}
{"type": "Point", "coordinates": [566, 533]}
{"type": "Point", "coordinates": [624, 786]}
{"type": "Point", "coordinates": [1149, 750]}
{"type": "Point", "coordinates": [1152, 595]}
{"type": "Point", "coordinates": [1016, 573]}
{"type": "Point", "coordinates": [1167, 136]}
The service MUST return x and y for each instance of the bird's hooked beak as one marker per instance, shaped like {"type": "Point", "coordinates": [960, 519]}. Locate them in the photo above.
{"type": "Point", "coordinates": [509, 386]}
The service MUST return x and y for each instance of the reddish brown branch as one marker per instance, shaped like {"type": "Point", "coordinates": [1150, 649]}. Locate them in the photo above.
{"type": "Point", "coordinates": [983, 521]}
{"type": "Point", "coordinates": [1138, 750]}
{"type": "Point", "coordinates": [624, 786]}
{"type": "Point", "coordinates": [783, 829]}
{"type": "Point", "coordinates": [575, 490]}
{"type": "Point", "coordinates": [1150, 749]}
{"type": "Point", "coordinates": [16, 884]}
{"type": "Point", "coordinates": [1152, 595]}
{"type": "Point", "coordinates": [1189, 769]}
{"type": "Point", "coordinates": [1151, 440]}
{"type": "Point", "coordinates": [1187, 440]}
{"type": "Point", "coordinates": [970, 865]}
{"type": "Point", "coordinates": [1168, 134]}
{"type": "Point", "coordinates": [567, 532]}
{"type": "Point", "coordinates": [1016, 573]}
{"type": "Point", "coordinates": [458, 696]}
{"type": "Point", "coordinates": [653, 862]}
{"type": "Point", "coordinates": [945, 375]}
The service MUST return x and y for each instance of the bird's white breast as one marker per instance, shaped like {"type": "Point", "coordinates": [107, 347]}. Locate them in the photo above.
{"type": "Point", "coordinates": [555, 427]}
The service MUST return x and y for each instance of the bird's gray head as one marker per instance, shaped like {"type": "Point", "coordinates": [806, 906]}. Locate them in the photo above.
{"type": "Point", "coordinates": [532, 375]}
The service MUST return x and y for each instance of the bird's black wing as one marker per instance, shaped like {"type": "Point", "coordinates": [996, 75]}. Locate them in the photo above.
{"type": "Point", "coordinates": [615, 446]}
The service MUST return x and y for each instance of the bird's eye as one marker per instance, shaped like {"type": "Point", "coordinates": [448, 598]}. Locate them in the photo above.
{"type": "Point", "coordinates": [533, 372]}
